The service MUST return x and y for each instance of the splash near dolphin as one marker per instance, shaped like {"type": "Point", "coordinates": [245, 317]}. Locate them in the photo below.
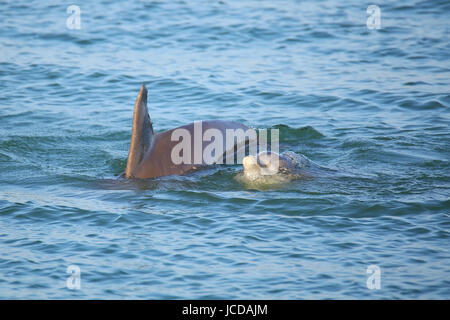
{"type": "Point", "coordinates": [270, 168]}
{"type": "Point", "coordinates": [183, 149]}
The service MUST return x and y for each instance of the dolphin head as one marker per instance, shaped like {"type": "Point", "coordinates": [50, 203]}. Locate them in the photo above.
{"type": "Point", "coordinates": [264, 164]}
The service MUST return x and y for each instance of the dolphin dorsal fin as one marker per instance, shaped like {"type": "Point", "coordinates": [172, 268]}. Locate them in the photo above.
{"type": "Point", "coordinates": [141, 134]}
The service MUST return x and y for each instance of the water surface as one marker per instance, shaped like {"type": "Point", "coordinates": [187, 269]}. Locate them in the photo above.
{"type": "Point", "coordinates": [374, 103]}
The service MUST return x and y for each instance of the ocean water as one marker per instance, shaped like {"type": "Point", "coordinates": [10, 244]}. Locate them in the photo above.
{"type": "Point", "coordinates": [370, 102]}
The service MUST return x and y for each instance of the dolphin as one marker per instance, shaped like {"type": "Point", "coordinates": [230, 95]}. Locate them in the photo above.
{"type": "Point", "coordinates": [268, 167]}
{"type": "Point", "coordinates": [151, 153]}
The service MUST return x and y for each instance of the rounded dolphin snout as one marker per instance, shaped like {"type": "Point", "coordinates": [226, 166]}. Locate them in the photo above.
{"type": "Point", "coordinates": [265, 163]}
{"type": "Point", "coordinates": [249, 161]}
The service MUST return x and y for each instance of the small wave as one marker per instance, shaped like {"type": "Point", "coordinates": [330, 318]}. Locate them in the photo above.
{"type": "Point", "coordinates": [294, 135]}
{"type": "Point", "coordinates": [427, 105]}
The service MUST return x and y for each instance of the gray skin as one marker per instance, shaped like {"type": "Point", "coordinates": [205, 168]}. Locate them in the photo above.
{"type": "Point", "coordinates": [272, 167]}
{"type": "Point", "coordinates": [150, 153]}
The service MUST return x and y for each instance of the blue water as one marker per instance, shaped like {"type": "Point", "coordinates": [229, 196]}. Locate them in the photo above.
{"type": "Point", "coordinates": [370, 102]}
